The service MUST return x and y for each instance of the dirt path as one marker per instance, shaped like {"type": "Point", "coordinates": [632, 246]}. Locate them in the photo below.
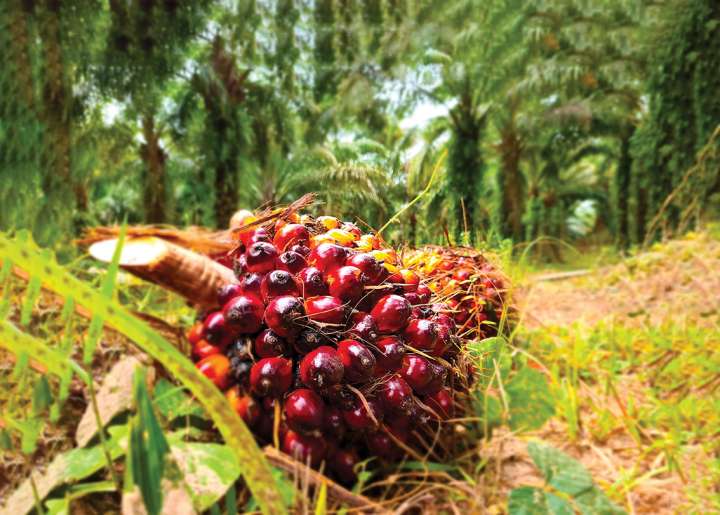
{"type": "Point", "coordinates": [679, 281]}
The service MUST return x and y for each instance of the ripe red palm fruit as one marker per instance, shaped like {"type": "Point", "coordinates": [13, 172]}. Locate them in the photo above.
{"type": "Point", "coordinates": [357, 360]}
{"type": "Point", "coordinates": [321, 368]}
{"type": "Point", "coordinates": [309, 339]}
{"type": "Point", "coordinates": [304, 448]}
{"type": "Point", "coordinates": [289, 235]}
{"type": "Point", "coordinates": [410, 280]}
{"type": "Point", "coordinates": [421, 334]}
{"type": "Point", "coordinates": [363, 327]}
{"type": "Point", "coordinates": [227, 292]}
{"type": "Point", "coordinates": [325, 309]}
{"type": "Point", "coordinates": [370, 266]}
{"type": "Point", "coordinates": [389, 353]}
{"type": "Point", "coordinates": [438, 374]}
{"type": "Point", "coordinates": [342, 463]}
{"type": "Point", "coordinates": [396, 395]}
{"type": "Point", "coordinates": [271, 377]}
{"type": "Point", "coordinates": [291, 262]}
{"type": "Point", "coordinates": [195, 333]}
{"type": "Point", "coordinates": [202, 349]}
{"type": "Point", "coordinates": [269, 344]}
{"type": "Point", "coordinates": [391, 313]}
{"type": "Point", "coordinates": [462, 274]}
{"type": "Point", "coordinates": [217, 331]}
{"type": "Point", "coordinates": [283, 315]}
{"type": "Point", "coordinates": [333, 423]}
{"type": "Point", "coordinates": [416, 371]}
{"type": "Point", "coordinates": [245, 406]}
{"type": "Point", "coordinates": [358, 418]}
{"type": "Point", "coordinates": [441, 402]}
{"type": "Point", "coordinates": [312, 281]}
{"type": "Point", "coordinates": [250, 284]}
{"type": "Point", "coordinates": [301, 249]}
{"type": "Point", "coordinates": [261, 257]}
{"type": "Point", "coordinates": [327, 256]}
{"type": "Point", "coordinates": [277, 283]}
{"type": "Point", "coordinates": [244, 314]}
{"type": "Point", "coordinates": [346, 283]}
{"type": "Point", "coordinates": [424, 293]}
{"type": "Point", "coordinates": [304, 411]}
{"type": "Point", "coordinates": [382, 445]}
{"type": "Point", "coordinates": [216, 367]}
{"type": "Point", "coordinates": [351, 228]}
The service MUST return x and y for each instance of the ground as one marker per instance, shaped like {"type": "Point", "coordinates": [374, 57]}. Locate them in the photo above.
{"type": "Point", "coordinates": [633, 351]}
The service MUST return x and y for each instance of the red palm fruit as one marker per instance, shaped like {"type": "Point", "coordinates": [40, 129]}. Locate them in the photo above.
{"type": "Point", "coordinates": [304, 411]}
{"type": "Point", "coordinates": [216, 367]}
{"type": "Point", "coordinates": [462, 274]}
{"type": "Point", "coordinates": [259, 234]}
{"type": "Point", "coordinates": [382, 445]}
{"type": "Point", "coordinates": [277, 283]}
{"type": "Point", "coordinates": [250, 284]}
{"type": "Point", "coordinates": [438, 375]}
{"type": "Point", "coordinates": [441, 402]}
{"type": "Point", "coordinates": [283, 315]}
{"type": "Point", "coordinates": [261, 257]}
{"type": "Point", "coordinates": [358, 418]}
{"type": "Point", "coordinates": [292, 262]}
{"type": "Point", "coordinates": [396, 395]}
{"type": "Point", "coordinates": [244, 314]}
{"type": "Point", "coordinates": [268, 344]}
{"type": "Point", "coordinates": [389, 353]}
{"type": "Point", "coordinates": [416, 371]}
{"type": "Point", "coordinates": [321, 368]}
{"type": "Point", "coordinates": [246, 236]}
{"type": "Point", "coordinates": [370, 266]}
{"type": "Point", "coordinates": [217, 331]}
{"type": "Point", "coordinates": [325, 309]}
{"type": "Point", "coordinates": [195, 333]}
{"type": "Point", "coordinates": [414, 299]}
{"type": "Point", "coordinates": [339, 395]}
{"type": "Point", "coordinates": [346, 283]}
{"type": "Point", "coordinates": [327, 256]}
{"type": "Point", "coordinates": [312, 281]}
{"type": "Point", "coordinates": [342, 463]}
{"type": "Point", "coordinates": [289, 235]}
{"type": "Point", "coordinates": [410, 280]}
{"type": "Point", "coordinates": [357, 360]}
{"type": "Point", "coordinates": [391, 313]}
{"type": "Point", "coordinates": [333, 423]}
{"type": "Point", "coordinates": [309, 339]}
{"type": "Point", "coordinates": [227, 292]}
{"type": "Point", "coordinates": [446, 320]}
{"type": "Point", "coordinates": [421, 334]}
{"type": "Point", "coordinates": [363, 327]}
{"type": "Point", "coordinates": [240, 265]}
{"type": "Point", "coordinates": [304, 448]}
{"type": "Point", "coordinates": [443, 342]}
{"type": "Point", "coordinates": [301, 249]}
{"type": "Point", "coordinates": [202, 349]}
{"type": "Point", "coordinates": [351, 228]}
{"type": "Point", "coordinates": [271, 377]}
{"type": "Point", "coordinates": [424, 293]}
{"type": "Point", "coordinates": [245, 406]}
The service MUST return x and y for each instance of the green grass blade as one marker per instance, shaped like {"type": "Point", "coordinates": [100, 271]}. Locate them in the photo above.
{"type": "Point", "coordinates": [256, 470]}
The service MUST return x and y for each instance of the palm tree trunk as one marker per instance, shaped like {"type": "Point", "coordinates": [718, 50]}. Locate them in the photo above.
{"type": "Point", "coordinates": [622, 190]}
{"type": "Point", "coordinates": [510, 182]}
{"type": "Point", "coordinates": [57, 181]}
{"type": "Point", "coordinates": [154, 158]}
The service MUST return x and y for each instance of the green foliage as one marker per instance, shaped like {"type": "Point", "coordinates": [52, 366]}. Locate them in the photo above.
{"type": "Point", "coordinates": [25, 255]}
{"type": "Point", "coordinates": [569, 487]}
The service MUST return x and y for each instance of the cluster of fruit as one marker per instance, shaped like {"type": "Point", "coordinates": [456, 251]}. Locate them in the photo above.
{"type": "Point", "coordinates": [468, 284]}
{"type": "Point", "coordinates": [328, 346]}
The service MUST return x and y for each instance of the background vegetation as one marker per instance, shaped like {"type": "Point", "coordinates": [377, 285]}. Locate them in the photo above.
{"type": "Point", "coordinates": [561, 118]}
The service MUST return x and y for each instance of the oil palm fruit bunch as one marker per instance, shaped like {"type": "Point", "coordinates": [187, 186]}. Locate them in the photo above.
{"type": "Point", "coordinates": [328, 346]}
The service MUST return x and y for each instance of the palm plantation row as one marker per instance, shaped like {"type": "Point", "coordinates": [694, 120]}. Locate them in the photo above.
{"type": "Point", "coordinates": [554, 117]}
